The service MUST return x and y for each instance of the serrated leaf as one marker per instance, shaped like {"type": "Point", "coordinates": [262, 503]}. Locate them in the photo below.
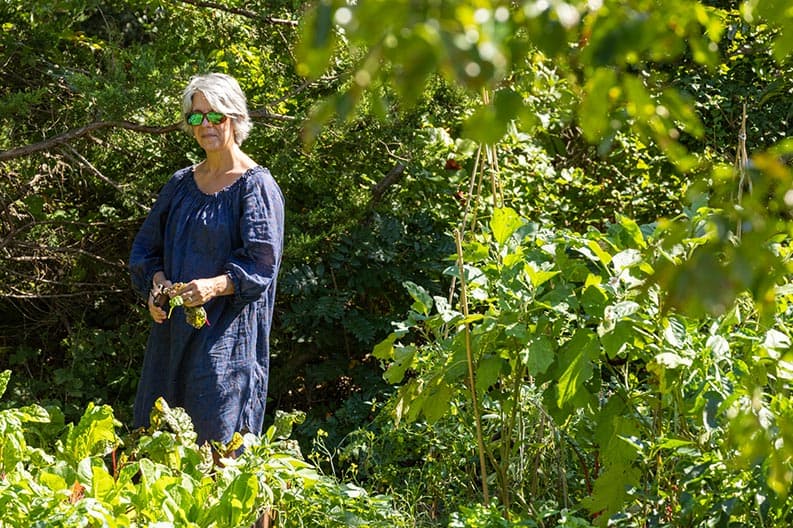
{"type": "Point", "coordinates": [611, 489]}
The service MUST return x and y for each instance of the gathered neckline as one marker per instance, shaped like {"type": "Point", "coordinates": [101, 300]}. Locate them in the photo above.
{"type": "Point", "coordinates": [224, 189]}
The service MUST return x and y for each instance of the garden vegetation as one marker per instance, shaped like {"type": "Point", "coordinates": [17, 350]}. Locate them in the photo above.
{"type": "Point", "coordinates": [537, 263]}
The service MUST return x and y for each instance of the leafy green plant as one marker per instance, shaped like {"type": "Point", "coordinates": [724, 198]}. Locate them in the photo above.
{"type": "Point", "coordinates": [89, 476]}
{"type": "Point", "coordinates": [568, 328]}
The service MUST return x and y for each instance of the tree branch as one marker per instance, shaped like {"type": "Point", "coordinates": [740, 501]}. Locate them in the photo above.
{"type": "Point", "coordinates": [393, 176]}
{"type": "Point", "coordinates": [98, 173]}
{"type": "Point", "coordinates": [239, 11]}
{"type": "Point", "coordinates": [71, 135]}
{"type": "Point", "coordinates": [60, 295]}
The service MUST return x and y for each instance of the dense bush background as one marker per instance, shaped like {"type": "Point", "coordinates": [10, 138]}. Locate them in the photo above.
{"type": "Point", "coordinates": [89, 102]}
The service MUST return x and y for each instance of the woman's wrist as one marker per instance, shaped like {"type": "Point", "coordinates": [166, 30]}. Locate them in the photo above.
{"type": "Point", "coordinates": [223, 285]}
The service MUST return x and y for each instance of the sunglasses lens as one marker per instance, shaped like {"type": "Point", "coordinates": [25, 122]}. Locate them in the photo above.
{"type": "Point", "coordinates": [215, 117]}
{"type": "Point", "coordinates": [195, 118]}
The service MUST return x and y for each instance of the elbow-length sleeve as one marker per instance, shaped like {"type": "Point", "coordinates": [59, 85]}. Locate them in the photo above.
{"type": "Point", "coordinates": [254, 266]}
{"type": "Point", "coordinates": [146, 257]}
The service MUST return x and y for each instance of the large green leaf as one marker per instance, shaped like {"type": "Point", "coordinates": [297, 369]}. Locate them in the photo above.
{"type": "Point", "coordinates": [95, 434]}
{"type": "Point", "coordinates": [576, 364]}
{"type": "Point", "coordinates": [437, 403]}
{"type": "Point", "coordinates": [618, 339]}
{"type": "Point", "coordinates": [538, 355]}
{"type": "Point", "coordinates": [403, 360]}
{"type": "Point", "coordinates": [611, 490]}
{"type": "Point", "coordinates": [422, 300]}
{"type": "Point", "coordinates": [488, 372]}
{"type": "Point", "coordinates": [504, 223]}
{"type": "Point", "coordinates": [385, 348]}
{"type": "Point", "coordinates": [538, 276]}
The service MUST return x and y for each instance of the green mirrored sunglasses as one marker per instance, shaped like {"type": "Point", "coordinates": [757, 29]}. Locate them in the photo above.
{"type": "Point", "coordinates": [196, 118]}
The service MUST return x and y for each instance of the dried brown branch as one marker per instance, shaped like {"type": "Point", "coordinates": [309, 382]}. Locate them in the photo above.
{"type": "Point", "coordinates": [266, 114]}
{"type": "Point", "coordinates": [61, 295]}
{"type": "Point", "coordinates": [16, 231]}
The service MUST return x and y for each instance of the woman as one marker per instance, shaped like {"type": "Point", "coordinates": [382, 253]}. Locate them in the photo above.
{"type": "Point", "coordinates": [214, 237]}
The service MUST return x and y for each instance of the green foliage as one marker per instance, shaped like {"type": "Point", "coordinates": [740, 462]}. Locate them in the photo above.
{"type": "Point", "coordinates": [614, 345]}
{"type": "Point", "coordinates": [570, 325]}
{"type": "Point", "coordinates": [86, 475]}
{"type": "Point", "coordinates": [619, 60]}
{"type": "Point", "coordinates": [479, 46]}
{"type": "Point", "coordinates": [109, 356]}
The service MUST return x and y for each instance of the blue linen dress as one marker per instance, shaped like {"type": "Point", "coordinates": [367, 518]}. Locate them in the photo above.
{"type": "Point", "coordinates": [218, 373]}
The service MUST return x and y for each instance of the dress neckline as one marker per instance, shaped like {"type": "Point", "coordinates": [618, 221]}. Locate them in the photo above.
{"type": "Point", "coordinates": [225, 189]}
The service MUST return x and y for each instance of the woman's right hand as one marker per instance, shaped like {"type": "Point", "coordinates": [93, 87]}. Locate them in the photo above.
{"type": "Point", "coordinates": [158, 313]}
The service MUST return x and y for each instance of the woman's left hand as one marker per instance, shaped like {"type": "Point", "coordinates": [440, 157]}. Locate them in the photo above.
{"type": "Point", "coordinates": [200, 291]}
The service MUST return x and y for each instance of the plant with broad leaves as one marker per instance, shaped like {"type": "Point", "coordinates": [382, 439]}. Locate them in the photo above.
{"type": "Point", "coordinates": [158, 476]}
{"type": "Point", "coordinates": [570, 325]}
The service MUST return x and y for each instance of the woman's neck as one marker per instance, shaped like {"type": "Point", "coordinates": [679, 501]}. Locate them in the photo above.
{"type": "Point", "coordinates": [226, 161]}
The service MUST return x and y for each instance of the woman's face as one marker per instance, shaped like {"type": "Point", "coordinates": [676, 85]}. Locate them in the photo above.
{"type": "Point", "coordinates": [211, 137]}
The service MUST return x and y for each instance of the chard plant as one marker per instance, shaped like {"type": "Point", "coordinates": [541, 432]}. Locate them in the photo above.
{"type": "Point", "coordinates": [87, 475]}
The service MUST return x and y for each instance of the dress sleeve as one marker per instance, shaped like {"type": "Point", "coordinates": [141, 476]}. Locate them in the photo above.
{"type": "Point", "coordinates": [253, 268]}
{"type": "Point", "coordinates": [146, 257]}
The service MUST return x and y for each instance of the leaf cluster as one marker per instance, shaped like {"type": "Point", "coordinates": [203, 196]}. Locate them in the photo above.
{"type": "Point", "coordinates": [86, 475]}
{"type": "Point", "coordinates": [573, 350]}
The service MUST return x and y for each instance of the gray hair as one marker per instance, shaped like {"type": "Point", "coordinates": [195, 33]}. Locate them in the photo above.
{"type": "Point", "coordinates": [224, 95]}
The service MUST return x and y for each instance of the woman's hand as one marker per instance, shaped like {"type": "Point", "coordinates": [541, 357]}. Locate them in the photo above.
{"type": "Point", "coordinates": [161, 284]}
{"type": "Point", "coordinates": [200, 291]}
